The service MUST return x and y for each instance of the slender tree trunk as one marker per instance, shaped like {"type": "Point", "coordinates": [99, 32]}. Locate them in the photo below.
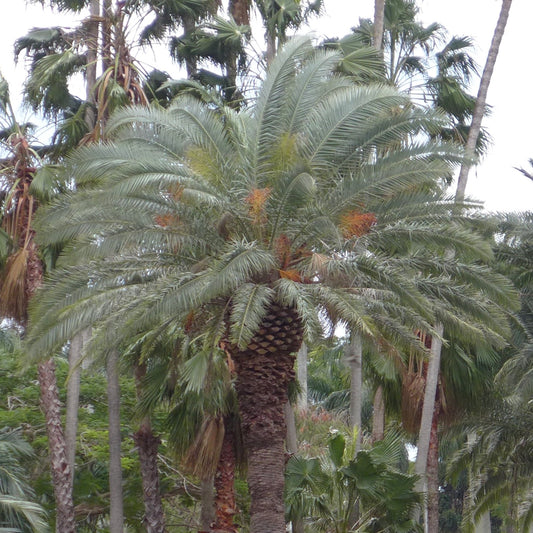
{"type": "Point", "coordinates": [116, 520]}
{"type": "Point", "coordinates": [207, 509]}
{"type": "Point", "coordinates": [428, 408]}
{"type": "Point", "coordinates": [225, 502]}
{"type": "Point", "coordinates": [378, 415]}
{"type": "Point", "coordinates": [433, 474]}
{"type": "Point", "coordinates": [354, 360]}
{"type": "Point", "coordinates": [301, 368]}
{"type": "Point", "coordinates": [481, 99]}
{"type": "Point", "coordinates": [191, 65]}
{"type": "Point", "coordinates": [73, 399]}
{"type": "Point", "coordinates": [92, 62]}
{"type": "Point", "coordinates": [271, 47]}
{"type": "Point", "coordinates": [61, 475]}
{"type": "Point", "coordinates": [264, 370]}
{"type": "Point", "coordinates": [379, 21]}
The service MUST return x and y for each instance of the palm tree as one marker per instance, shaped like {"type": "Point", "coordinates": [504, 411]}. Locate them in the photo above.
{"type": "Point", "coordinates": [481, 99]}
{"type": "Point", "coordinates": [255, 229]}
{"type": "Point", "coordinates": [21, 274]}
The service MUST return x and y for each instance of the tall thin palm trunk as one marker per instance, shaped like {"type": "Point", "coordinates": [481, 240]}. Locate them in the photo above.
{"type": "Point", "coordinates": [428, 408]}
{"type": "Point", "coordinates": [301, 367]}
{"type": "Point", "coordinates": [354, 359]}
{"type": "Point", "coordinates": [481, 99]}
{"type": "Point", "coordinates": [378, 415]}
{"type": "Point", "coordinates": [379, 22]}
{"type": "Point", "coordinates": [116, 520]}
{"type": "Point", "coordinates": [433, 474]}
{"type": "Point", "coordinates": [73, 399]}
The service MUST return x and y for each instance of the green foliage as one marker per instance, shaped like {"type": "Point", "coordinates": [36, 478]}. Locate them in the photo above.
{"type": "Point", "coordinates": [326, 491]}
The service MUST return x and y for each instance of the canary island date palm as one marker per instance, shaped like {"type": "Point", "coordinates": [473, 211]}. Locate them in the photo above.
{"type": "Point", "coordinates": [250, 229]}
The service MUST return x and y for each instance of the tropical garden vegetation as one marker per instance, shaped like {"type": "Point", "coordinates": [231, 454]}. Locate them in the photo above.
{"type": "Point", "coordinates": [253, 298]}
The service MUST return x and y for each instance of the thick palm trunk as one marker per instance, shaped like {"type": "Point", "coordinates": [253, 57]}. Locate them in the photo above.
{"type": "Point", "coordinates": [264, 370]}
{"type": "Point", "coordinates": [61, 475]}
{"type": "Point", "coordinates": [378, 415]}
{"type": "Point", "coordinates": [116, 520]}
{"type": "Point", "coordinates": [433, 474]}
{"type": "Point", "coordinates": [481, 99]}
{"type": "Point", "coordinates": [225, 502]}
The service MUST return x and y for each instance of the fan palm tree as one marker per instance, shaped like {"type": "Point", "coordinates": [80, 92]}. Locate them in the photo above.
{"type": "Point", "coordinates": [250, 229]}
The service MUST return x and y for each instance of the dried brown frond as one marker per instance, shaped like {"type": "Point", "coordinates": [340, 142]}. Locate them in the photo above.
{"type": "Point", "coordinates": [13, 294]}
{"type": "Point", "coordinates": [202, 457]}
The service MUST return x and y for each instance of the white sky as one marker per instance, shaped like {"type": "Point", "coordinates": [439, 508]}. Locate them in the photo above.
{"type": "Point", "coordinates": [495, 181]}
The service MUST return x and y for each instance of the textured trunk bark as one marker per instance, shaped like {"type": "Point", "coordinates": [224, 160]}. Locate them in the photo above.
{"type": "Point", "coordinates": [354, 359]}
{"type": "Point", "coordinates": [271, 48]}
{"type": "Point", "coordinates": [225, 502]}
{"type": "Point", "coordinates": [61, 475]}
{"type": "Point", "coordinates": [481, 99]}
{"type": "Point", "coordinates": [301, 368]}
{"type": "Point", "coordinates": [378, 415]}
{"type": "Point", "coordinates": [433, 474]}
{"type": "Point", "coordinates": [264, 370]}
{"type": "Point", "coordinates": [379, 20]}
{"type": "Point", "coordinates": [116, 515]}
{"type": "Point", "coordinates": [147, 445]}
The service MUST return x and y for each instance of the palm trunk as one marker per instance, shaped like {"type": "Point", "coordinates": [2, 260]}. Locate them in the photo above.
{"type": "Point", "coordinates": [116, 521]}
{"type": "Point", "coordinates": [73, 399]}
{"type": "Point", "coordinates": [354, 359]}
{"type": "Point", "coordinates": [301, 366]}
{"type": "Point", "coordinates": [378, 415]}
{"type": "Point", "coordinates": [428, 409]}
{"type": "Point", "coordinates": [225, 502]}
{"type": "Point", "coordinates": [147, 446]}
{"type": "Point", "coordinates": [433, 474]}
{"type": "Point", "coordinates": [61, 474]}
{"type": "Point", "coordinates": [264, 370]}
{"type": "Point", "coordinates": [92, 60]}
{"type": "Point", "coordinates": [481, 99]}
{"type": "Point", "coordinates": [379, 21]}
{"type": "Point", "coordinates": [207, 500]}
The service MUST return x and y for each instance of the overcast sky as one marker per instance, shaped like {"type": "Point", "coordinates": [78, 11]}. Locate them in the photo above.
{"type": "Point", "coordinates": [495, 181]}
